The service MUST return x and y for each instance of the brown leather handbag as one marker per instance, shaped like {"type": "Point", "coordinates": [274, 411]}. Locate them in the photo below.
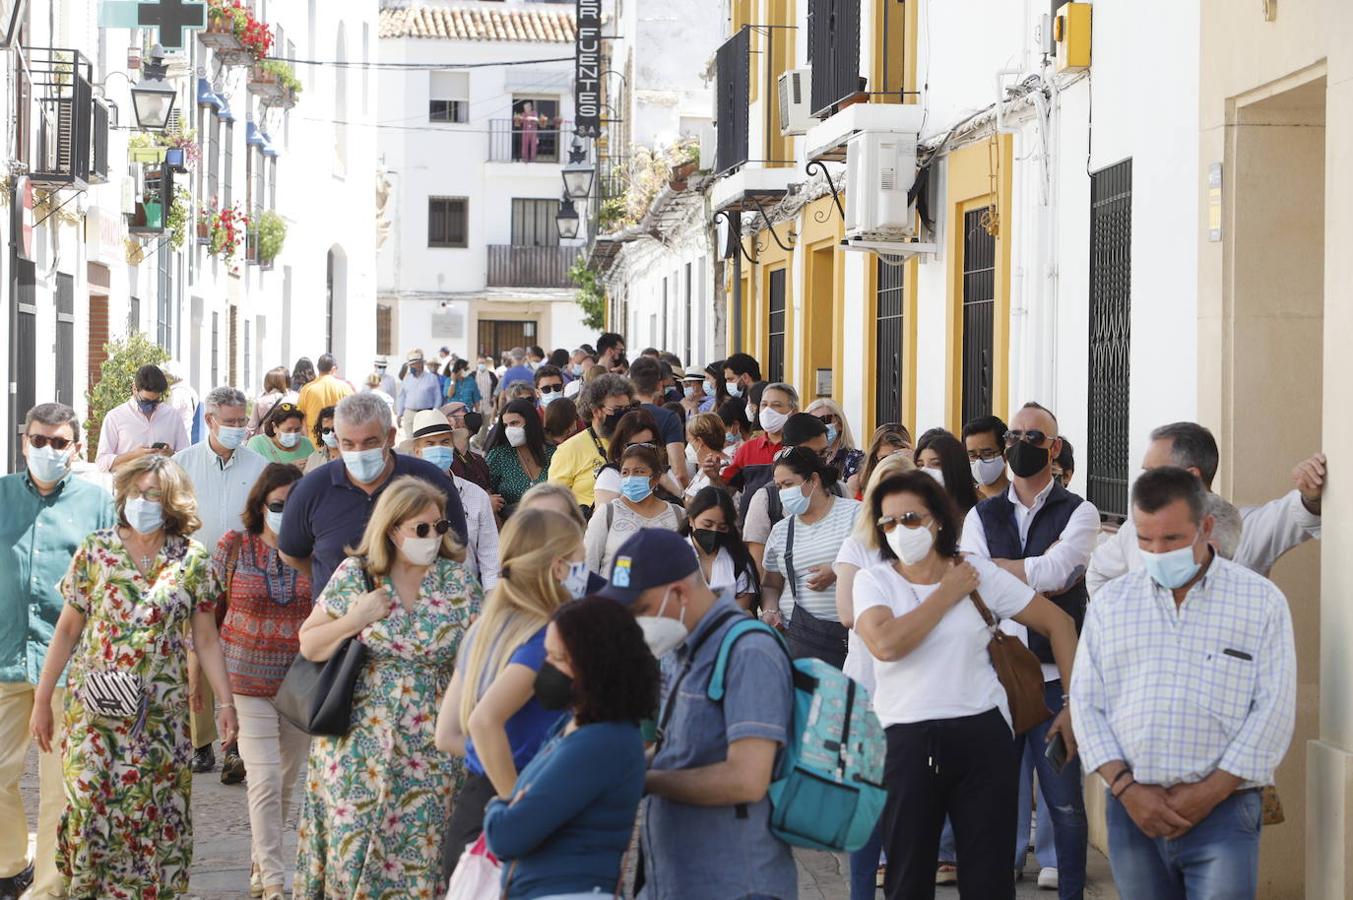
{"type": "Point", "coordinates": [1019, 671]}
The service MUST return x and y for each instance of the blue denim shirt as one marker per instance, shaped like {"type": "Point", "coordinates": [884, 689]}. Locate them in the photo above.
{"type": "Point", "coordinates": [712, 852]}
{"type": "Point", "coordinates": [38, 537]}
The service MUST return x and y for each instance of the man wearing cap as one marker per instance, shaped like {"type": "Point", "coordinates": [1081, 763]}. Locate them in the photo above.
{"type": "Point", "coordinates": [467, 463]}
{"type": "Point", "coordinates": [432, 441]}
{"type": "Point", "coordinates": [421, 390]}
{"type": "Point", "coordinates": [388, 382]}
{"type": "Point", "coordinates": [706, 829]}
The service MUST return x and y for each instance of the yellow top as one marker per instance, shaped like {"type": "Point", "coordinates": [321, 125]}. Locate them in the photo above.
{"type": "Point", "coordinates": [575, 465]}
{"type": "Point", "coordinates": [326, 390]}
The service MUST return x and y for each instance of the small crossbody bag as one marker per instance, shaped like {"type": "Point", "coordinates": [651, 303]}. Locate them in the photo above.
{"type": "Point", "coordinates": [114, 695]}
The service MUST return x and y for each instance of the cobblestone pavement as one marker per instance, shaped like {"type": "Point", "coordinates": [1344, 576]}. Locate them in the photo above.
{"type": "Point", "coordinates": [221, 850]}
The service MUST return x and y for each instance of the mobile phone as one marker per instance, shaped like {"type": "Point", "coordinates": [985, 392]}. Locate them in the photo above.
{"type": "Point", "coordinates": [1056, 752]}
{"type": "Point", "coordinates": [159, 445]}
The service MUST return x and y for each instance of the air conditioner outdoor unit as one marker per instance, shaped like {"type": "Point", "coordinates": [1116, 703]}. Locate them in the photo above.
{"type": "Point", "coordinates": [796, 88]}
{"type": "Point", "coordinates": [880, 170]}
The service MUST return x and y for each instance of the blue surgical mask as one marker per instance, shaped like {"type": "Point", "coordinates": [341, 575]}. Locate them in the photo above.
{"type": "Point", "coordinates": [439, 456]}
{"type": "Point", "coordinates": [1173, 568]}
{"type": "Point", "coordinates": [734, 389]}
{"type": "Point", "coordinates": [365, 465]}
{"type": "Point", "coordinates": [146, 406]}
{"type": "Point", "coordinates": [575, 582]}
{"type": "Point", "coordinates": [688, 391]}
{"type": "Point", "coordinates": [635, 488]}
{"type": "Point", "coordinates": [547, 399]}
{"type": "Point", "coordinates": [274, 520]}
{"type": "Point", "coordinates": [729, 439]}
{"type": "Point", "coordinates": [794, 500]}
{"type": "Point", "coordinates": [47, 464]}
{"type": "Point", "coordinates": [230, 437]}
{"type": "Point", "coordinates": [143, 515]}
{"type": "Point", "coordinates": [832, 434]}
{"type": "Point", "coordinates": [709, 388]}
{"type": "Point", "coordinates": [288, 439]}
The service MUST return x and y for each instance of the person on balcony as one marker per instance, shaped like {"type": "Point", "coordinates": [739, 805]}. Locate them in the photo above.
{"type": "Point", "coordinates": [530, 137]}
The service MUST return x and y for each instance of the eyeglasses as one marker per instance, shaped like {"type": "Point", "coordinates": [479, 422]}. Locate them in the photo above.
{"type": "Point", "coordinates": [329, 430]}
{"type": "Point", "coordinates": [828, 419]}
{"type": "Point", "coordinates": [277, 506]}
{"type": "Point", "coordinates": [56, 443]}
{"type": "Point", "coordinates": [441, 526]}
{"type": "Point", "coordinates": [647, 444]}
{"type": "Point", "coordinates": [1033, 436]}
{"type": "Point", "coordinates": [986, 455]}
{"type": "Point", "coordinates": [551, 388]}
{"type": "Point", "coordinates": [888, 524]}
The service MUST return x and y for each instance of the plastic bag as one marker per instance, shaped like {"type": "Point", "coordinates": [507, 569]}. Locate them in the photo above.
{"type": "Point", "coordinates": [478, 875]}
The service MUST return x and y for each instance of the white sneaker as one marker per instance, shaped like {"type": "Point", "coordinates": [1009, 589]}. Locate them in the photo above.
{"type": "Point", "coordinates": [255, 883]}
{"type": "Point", "coordinates": [1047, 879]}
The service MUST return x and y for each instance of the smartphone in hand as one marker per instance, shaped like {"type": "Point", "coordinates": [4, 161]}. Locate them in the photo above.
{"type": "Point", "coordinates": [1056, 752]}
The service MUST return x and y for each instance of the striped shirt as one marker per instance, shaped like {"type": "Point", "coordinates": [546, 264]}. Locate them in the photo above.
{"type": "Point", "coordinates": [1178, 693]}
{"type": "Point", "coordinates": [814, 545]}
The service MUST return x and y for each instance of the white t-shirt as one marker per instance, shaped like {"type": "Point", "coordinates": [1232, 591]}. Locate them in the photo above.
{"type": "Point", "coordinates": [722, 574]}
{"type": "Point", "coordinates": [949, 674]}
{"type": "Point", "coordinates": [814, 545]}
{"type": "Point", "coordinates": [859, 664]}
{"type": "Point", "coordinates": [608, 479]}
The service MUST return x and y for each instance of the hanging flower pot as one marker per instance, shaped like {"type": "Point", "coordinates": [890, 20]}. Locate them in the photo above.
{"type": "Point", "coordinates": [220, 33]}
{"type": "Point", "coordinates": [148, 155]}
{"type": "Point", "coordinates": [154, 214]}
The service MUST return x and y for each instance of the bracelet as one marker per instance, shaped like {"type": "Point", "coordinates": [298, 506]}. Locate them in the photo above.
{"type": "Point", "coordinates": [1119, 777]}
{"type": "Point", "coordinates": [221, 706]}
{"type": "Point", "coordinates": [1130, 785]}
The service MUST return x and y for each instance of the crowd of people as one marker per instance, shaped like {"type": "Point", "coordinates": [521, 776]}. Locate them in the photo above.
{"type": "Point", "coordinates": [589, 596]}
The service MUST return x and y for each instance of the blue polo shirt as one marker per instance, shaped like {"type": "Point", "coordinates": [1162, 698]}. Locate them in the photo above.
{"type": "Point", "coordinates": [326, 512]}
{"type": "Point", "coordinates": [670, 430]}
{"type": "Point", "coordinates": [520, 373]}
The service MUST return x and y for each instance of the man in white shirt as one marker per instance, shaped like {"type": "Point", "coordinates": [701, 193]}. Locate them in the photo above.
{"type": "Point", "coordinates": [433, 441]}
{"type": "Point", "coordinates": [223, 472]}
{"type": "Point", "coordinates": [1043, 535]}
{"type": "Point", "coordinates": [1270, 530]}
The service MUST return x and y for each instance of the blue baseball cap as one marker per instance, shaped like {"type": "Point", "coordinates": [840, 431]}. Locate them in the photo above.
{"type": "Point", "coordinates": [653, 557]}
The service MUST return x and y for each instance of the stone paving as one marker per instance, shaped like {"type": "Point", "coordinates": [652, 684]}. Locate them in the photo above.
{"type": "Point", "coordinates": [221, 850]}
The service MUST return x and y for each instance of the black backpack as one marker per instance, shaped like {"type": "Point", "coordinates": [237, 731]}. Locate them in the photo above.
{"type": "Point", "coordinates": [753, 479]}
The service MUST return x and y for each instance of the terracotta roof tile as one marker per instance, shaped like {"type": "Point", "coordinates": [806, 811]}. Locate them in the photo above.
{"type": "Point", "coordinates": [480, 23]}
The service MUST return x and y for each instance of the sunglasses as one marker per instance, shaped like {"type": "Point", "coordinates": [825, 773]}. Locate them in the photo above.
{"type": "Point", "coordinates": [423, 529]}
{"type": "Point", "coordinates": [329, 430]}
{"type": "Point", "coordinates": [1033, 436]}
{"type": "Point", "coordinates": [888, 524]}
{"type": "Point", "coordinates": [277, 506]}
{"type": "Point", "coordinates": [56, 443]}
{"type": "Point", "coordinates": [551, 388]}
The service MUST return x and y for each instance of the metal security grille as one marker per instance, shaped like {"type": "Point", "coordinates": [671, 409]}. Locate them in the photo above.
{"type": "Point", "coordinates": [497, 336]}
{"type": "Point", "coordinates": [733, 63]}
{"type": "Point", "coordinates": [662, 336]}
{"type": "Point", "coordinates": [164, 298]}
{"type": "Point", "coordinates": [533, 223]}
{"type": "Point", "coordinates": [228, 166]}
{"type": "Point", "coordinates": [26, 357]}
{"type": "Point", "coordinates": [979, 309]}
{"type": "Point", "coordinates": [65, 339]}
{"type": "Point", "coordinates": [133, 314]}
{"type": "Point", "coordinates": [215, 349]}
{"type": "Point", "coordinates": [446, 222]}
{"type": "Point", "coordinates": [835, 37]}
{"type": "Point", "coordinates": [888, 324]}
{"type": "Point", "coordinates": [687, 345]}
{"type": "Point", "coordinates": [385, 326]}
{"type": "Point", "coordinates": [232, 346]}
{"type": "Point", "coordinates": [776, 326]}
{"type": "Point", "coordinates": [1110, 338]}
{"type": "Point", "coordinates": [248, 360]}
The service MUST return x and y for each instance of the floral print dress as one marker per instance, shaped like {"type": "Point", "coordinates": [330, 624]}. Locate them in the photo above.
{"type": "Point", "coordinates": [376, 800]}
{"type": "Point", "coordinates": [126, 832]}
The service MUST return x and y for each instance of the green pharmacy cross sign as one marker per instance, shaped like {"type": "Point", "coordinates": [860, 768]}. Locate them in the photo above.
{"type": "Point", "coordinates": [170, 17]}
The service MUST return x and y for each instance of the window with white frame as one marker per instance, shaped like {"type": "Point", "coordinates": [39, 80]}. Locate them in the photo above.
{"type": "Point", "coordinates": [449, 97]}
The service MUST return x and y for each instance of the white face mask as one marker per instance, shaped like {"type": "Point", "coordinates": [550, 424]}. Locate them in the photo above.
{"type": "Point", "coordinates": [421, 551]}
{"type": "Point", "coordinates": [575, 582]}
{"type": "Point", "coordinates": [911, 544]}
{"type": "Point", "coordinates": [773, 421]}
{"type": "Point", "coordinates": [987, 471]}
{"type": "Point", "coordinates": [661, 634]}
{"type": "Point", "coordinates": [288, 439]}
{"type": "Point", "coordinates": [516, 435]}
{"type": "Point", "coordinates": [936, 474]}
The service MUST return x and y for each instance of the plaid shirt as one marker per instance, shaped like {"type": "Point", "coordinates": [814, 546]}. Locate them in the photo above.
{"type": "Point", "coordinates": [1177, 693]}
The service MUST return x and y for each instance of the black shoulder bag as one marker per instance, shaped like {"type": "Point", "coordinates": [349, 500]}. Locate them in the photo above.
{"type": "Point", "coordinates": [316, 697]}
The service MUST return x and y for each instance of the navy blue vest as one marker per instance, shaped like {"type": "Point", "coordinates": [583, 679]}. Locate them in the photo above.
{"type": "Point", "coordinates": [998, 521]}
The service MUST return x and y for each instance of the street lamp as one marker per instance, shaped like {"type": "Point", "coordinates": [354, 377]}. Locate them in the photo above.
{"type": "Point", "coordinates": [153, 97]}
{"type": "Point", "coordinates": [566, 220]}
{"type": "Point", "coordinates": [577, 174]}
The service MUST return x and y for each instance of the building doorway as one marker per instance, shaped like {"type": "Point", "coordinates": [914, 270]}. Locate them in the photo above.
{"type": "Point", "coordinates": [497, 336]}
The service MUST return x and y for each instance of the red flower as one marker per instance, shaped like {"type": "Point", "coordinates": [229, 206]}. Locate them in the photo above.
{"type": "Point", "coordinates": [131, 776]}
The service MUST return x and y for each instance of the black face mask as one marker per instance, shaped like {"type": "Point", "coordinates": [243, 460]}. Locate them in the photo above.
{"type": "Point", "coordinates": [706, 539]}
{"type": "Point", "coordinates": [1026, 460]}
{"type": "Point", "coordinates": [612, 422]}
{"type": "Point", "coordinates": [553, 688]}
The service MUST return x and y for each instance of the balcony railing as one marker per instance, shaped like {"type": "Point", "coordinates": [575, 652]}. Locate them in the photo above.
{"type": "Point", "coordinates": [72, 126]}
{"type": "Point", "coordinates": [733, 63]}
{"type": "Point", "coordinates": [836, 54]}
{"type": "Point", "coordinates": [530, 267]}
{"type": "Point", "coordinates": [517, 140]}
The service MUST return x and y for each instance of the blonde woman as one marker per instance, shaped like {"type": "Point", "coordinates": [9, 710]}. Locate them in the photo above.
{"type": "Point", "coordinates": [841, 449]}
{"type": "Point", "coordinates": [131, 595]}
{"type": "Point", "coordinates": [375, 799]}
{"type": "Point", "coordinates": [490, 714]}
{"type": "Point", "coordinates": [888, 439]}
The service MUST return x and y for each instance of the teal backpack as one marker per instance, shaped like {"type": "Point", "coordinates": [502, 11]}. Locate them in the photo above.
{"type": "Point", "coordinates": [827, 791]}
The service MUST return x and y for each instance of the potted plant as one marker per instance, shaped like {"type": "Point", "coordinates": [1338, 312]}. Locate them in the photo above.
{"type": "Point", "coordinates": [269, 231]}
{"type": "Point", "coordinates": [142, 147]}
{"type": "Point", "coordinates": [274, 82]}
{"type": "Point", "coordinates": [222, 32]}
{"type": "Point", "coordinates": [176, 223]}
{"type": "Point", "coordinates": [225, 231]}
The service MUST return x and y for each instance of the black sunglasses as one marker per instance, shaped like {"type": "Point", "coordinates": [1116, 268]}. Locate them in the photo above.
{"type": "Point", "coordinates": [441, 526]}
{"type": "Point", "coordinates": [56, 443]}
{"type": "Point", "coordinates": [551, 388]}
{"type": "Point", "coordinates": [1033, 436]}
{"type": "Point", "coordinates": [329, 430]}
{"type": "Point", "coordinates": [277, 506]}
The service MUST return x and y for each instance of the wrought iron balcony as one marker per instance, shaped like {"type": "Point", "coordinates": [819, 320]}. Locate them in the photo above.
{"type": "Point", "coordinates": [530, 267]}
{"type": "Point", "coordinates": [733, 64]}
{"type": "Point", "coordinates": [542, 139]}
{"type": "Point", "coordinates": [834, 34]}
{"type": "Point", "coordinates": [71, 125]}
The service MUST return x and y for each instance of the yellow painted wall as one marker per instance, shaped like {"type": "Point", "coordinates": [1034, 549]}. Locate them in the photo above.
{"type": "Point", "coordinates": [978, 176]}
{"type": "Point", "coordinates": [820, 341]}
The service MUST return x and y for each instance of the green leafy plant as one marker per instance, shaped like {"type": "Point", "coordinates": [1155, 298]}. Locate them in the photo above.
{"type": "Point", "coordinates": [117, 381]}
{"type": "Point", "coordinates": [270, 230]}
{"type": "Point", "coordinates": [612, 211]}
{"type": "Point", "coordinates": [283, 72]}
{"type": "Point", "coordinates": [176, 223]}
{"type": "Point", "coordinates": [591, 295]}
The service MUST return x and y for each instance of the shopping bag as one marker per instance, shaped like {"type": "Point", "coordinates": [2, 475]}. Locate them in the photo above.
{"type": "Point", "coordinates": [477, 875]}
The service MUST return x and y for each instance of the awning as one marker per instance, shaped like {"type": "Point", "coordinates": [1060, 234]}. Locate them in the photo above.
{"type": "Point", "coordinates": [206, 96]}
{"type": "Point", "coordinates": [257, 137]}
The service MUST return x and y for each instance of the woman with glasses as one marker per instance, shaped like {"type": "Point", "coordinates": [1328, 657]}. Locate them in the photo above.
{"type": "Point", "coordinates": [638, 506]}
{"type": "Point", "coordinates": [266, 601]}
{"type": "Point", "coordinates": [375, 800]}
{"type": "Point", "coordinates": [725, 563]}
{"type": "Point", "coordinates": [283, 439]}
{"type": "Point", "coordinates": [706, 455]}
{"type": "Point", "coordinates": [635, 427]}
{"type": "Point", "coordinates": [801, 549]}
{"type": "Point", "coordinates": [951, 750]}
{"type": "Point", "coordinates": [943, 457]}
{"type": "Point", "coordinates": [517, 453]}
{"type": "Point", "coordinates": [887, 440]}
{"type": "Point", "coordinates": [133, 595]}
{"type": "Point", "coordinates": [326, 441]}
{"type": "Point", "coordinates": [841, 450]}
{"type": "Point", "coordinates": [276, 389]}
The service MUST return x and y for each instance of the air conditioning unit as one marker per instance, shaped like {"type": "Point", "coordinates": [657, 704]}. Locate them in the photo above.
{"type": "Point", "coordinates": [880, 170]}
{"type": "Point", "coordinates": [796, 88]}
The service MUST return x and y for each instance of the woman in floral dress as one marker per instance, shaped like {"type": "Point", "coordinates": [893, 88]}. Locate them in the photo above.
{"type": "Point", "coordinates": [131, 594]}
{"type": "Point", "coordinates": [376, 800]}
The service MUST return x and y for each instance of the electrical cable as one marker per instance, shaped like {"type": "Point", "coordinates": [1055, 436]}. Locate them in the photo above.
{"type": "Point", "coordinates": [442, 66]}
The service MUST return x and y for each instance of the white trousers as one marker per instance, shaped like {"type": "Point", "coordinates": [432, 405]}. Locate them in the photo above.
{"type": "Point", "coordinates": [273, 751]}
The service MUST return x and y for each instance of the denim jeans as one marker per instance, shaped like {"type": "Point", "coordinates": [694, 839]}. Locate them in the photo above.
{"type": "Point", "coordinates": [864, 864]}
{"type": "Point", "coordinates": [1045, 851]}
{"type": "Point", "coordinates": [1064, 797]}
{"type": "Point", "coordinates": [1217, 859]}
